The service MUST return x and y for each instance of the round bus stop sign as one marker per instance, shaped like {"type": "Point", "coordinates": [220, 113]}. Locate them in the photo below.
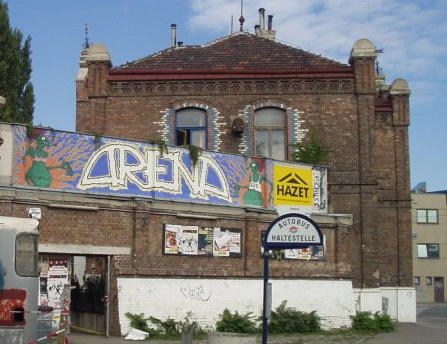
{"type": "Point", "coordinates": [292, 231]}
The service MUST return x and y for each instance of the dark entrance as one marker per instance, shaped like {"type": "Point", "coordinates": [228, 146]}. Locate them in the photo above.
{"type": "Point", "coordinates": [88, 280]}
{"type": "Point", "coordinates": [439, 289]}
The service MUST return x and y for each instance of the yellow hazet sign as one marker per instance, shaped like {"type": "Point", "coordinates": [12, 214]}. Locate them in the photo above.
{"type": "Point", "coordinates": [293, 186]}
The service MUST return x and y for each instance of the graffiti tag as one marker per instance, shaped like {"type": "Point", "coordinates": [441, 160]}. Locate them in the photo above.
{"type": "Point", "coordinates": [195, 293]}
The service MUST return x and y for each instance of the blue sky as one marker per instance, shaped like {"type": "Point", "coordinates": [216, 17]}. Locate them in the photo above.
{"type": "Point", "coordinates": [412, 33]}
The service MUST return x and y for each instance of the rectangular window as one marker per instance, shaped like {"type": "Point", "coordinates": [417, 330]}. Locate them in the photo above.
{"type": "Point", "coordinates": [417, 280]}
{"type": "Point", "coordinates": [428, 250]}
{"type": "Point", "coordinates": [269, 134]}
{"type": "Point", "coordinates": [191, 127]}
{"type": "Point", "coordinates": [427, 215]}
{"type": "Point", "coordinates": [428, 280]}
{"type": "Point", "coordinates": [26, 255]}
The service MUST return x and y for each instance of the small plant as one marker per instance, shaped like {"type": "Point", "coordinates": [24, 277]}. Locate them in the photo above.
{"type": "Point", "coordinates": [194, 153]}
{"type": "Point", "coordinates": [187, 325]}
{"type": "Point", "coordinates": [162, 145]}
{"type": "Point", "coordinates": [289, 320]}
{"type": "Point", "coordinates": [167, 327]}
{"type": "Point", "coordinates": [312, 152]}
{"type": "Point", "coordinates": [30, 130]}
{"type": "Point", "coordinates": [367, 322]}
{"type": "Point", "coordinates": [138, 321]}
{"type": "Point", "coordinates": [97, 139]}
{"type": "Point", "coordinates": [239, 323]}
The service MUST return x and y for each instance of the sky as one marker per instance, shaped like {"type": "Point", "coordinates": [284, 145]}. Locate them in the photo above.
{"type": "Point", "coordinates": [412, 34]}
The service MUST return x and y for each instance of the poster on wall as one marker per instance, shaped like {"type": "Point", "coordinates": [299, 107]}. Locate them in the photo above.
{"type": "Point", "coordinates": [202, 241]}
{"type": "Point", "coordinates": [57, 278]}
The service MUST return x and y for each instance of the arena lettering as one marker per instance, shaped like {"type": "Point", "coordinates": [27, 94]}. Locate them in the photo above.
{"type": "Point", "coordinates": [115, 165]}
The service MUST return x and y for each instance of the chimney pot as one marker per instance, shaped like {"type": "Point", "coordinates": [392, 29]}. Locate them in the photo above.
{"type": "Point", "coordinates": [173, 35]}
{"type": "Point", "coordinates": [262, 18]}
{"type": "Point", "coordinates": [270, 21]}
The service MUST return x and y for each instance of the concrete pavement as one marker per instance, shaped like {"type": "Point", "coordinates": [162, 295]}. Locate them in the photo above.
{"type": "Point", "coordinates": [430, 328]}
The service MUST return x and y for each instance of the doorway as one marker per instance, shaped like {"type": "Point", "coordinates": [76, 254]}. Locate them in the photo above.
{"type": "Point", "coordinates": [439, 289]}
{"type": "Point", "coordinates": [88, 306]}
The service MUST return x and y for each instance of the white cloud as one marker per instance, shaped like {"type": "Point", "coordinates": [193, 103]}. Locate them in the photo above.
{"type": "Point", "coordinates": [412, 33]}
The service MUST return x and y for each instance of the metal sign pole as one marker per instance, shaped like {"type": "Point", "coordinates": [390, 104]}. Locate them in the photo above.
{"type": "Point", "coordinates": [264, 313]}
{"type": "Point", "coordinates": [286, 232]}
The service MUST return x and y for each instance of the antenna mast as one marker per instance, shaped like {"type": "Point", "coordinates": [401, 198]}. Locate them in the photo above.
{"type": "Point", "coordinates": [242, 19]}
{"type": "Point", "coordinates": [86, 42]}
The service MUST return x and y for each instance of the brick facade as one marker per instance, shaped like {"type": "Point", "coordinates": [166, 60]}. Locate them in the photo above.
{"type": "Point", "coordinates": [364, 123]}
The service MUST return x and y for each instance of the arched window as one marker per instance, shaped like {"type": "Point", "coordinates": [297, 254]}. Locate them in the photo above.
{"type": "Point", "coordinates": [270, 137]}
{"type": "Point", "coordinates": [190, 126]}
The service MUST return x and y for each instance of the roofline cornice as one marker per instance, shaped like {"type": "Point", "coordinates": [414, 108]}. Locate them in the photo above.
{"type": "Point", "coordinates": [144, 75]}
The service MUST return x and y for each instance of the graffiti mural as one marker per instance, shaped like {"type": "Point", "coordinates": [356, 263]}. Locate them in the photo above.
{"type": "Point", "coordinates": [67, 161]}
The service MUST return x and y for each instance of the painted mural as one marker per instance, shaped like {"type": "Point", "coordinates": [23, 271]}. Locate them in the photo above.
{"type": "Point", "coordinates": [67, 161]}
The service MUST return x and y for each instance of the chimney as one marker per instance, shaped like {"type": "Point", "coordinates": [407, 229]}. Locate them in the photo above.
{"type": "Point", "coordinates": [262, 19]}
{"type": "Point", "coordinates": [269, 26]}
{"type": "Point", "coordinates": [173, 35]}
{"type": "Point", "coordinates": [257, 30]}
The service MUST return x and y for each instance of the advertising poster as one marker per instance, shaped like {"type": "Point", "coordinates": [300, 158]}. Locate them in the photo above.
{"type": "Point", "coordinates": [204, 241]}
{"type": "Point", "coordinates": [188, 240]}
{"type": "Point", "coordinates": [57, 278]}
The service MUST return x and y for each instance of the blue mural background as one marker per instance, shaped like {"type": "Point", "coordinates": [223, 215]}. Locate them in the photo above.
{"type": "Point", "coordinates": [80, 162]}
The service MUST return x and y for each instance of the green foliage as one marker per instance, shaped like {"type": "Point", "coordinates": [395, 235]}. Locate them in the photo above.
{"type": "Point", "coordinates": [311, 152]}
{"type": "Point", "coordinates": [138, 321]}
{"type": "Point", "coordinates": [187, 325]}
{"type": "Point", "coordinates": [97, 137]}
{"type": "Point", "coordinates": [168, 326]}
{"type": "Point", "coordinates": [15, 72]}
{"type": "Point", "coordinates": [239, 323]}
{"type": "Point", "coordinates": [367, 322]}
{"type": "Point", "coordinates": [194, 152]}
{"type": "Point", "coordinates": [162, 145]}
{"type": "Point", "coordinates": [289, 320]}
{"type": "Point", "coordinates": [166, 329]}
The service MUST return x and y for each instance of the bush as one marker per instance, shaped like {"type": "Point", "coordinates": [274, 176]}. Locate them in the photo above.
{"type": "Point", "coordinates": [168, 328]}
{"type": "Point", "coordinates": [289, 320]}
{"type": "Point", "coordinates": [138, 321]}
{"type": "Point", "coordinates": [367, 322]}
{"type": "Point", "coordinates": [236, 322]}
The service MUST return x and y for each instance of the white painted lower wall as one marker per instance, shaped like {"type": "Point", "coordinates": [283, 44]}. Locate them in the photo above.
{"type": "Point", "coordinates": [398, 303]}
{"type": "Point", "coordinates": [333, 301]}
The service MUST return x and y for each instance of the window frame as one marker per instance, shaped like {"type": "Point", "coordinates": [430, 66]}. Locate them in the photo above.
{"type": "Point", "coordinates": [270, 130]}
{"type": "Point", "coordinates": [422, 216]}
{"type": "Point", "coordinates": [189, 129]}
{"type": "Point", "coordinates": [26, 261]}
{"type": "Point", "coordinates": [427, 251]}
{"type": "Point", "coordinates": [417, 280]}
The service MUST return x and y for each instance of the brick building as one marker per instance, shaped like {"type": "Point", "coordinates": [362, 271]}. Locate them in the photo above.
{"type": "Point", "coordinates": [245, 99]}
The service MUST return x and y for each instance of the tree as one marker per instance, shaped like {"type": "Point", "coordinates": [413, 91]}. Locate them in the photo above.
{"type": "Point", "coordinates": [15, 72]}
{"type": "Point", "coordinates": [311, 152]}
